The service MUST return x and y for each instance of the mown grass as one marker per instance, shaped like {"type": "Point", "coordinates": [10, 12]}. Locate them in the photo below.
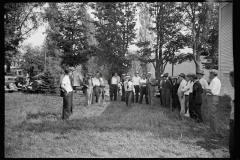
{"type": "Point", "coordinates": [33, 129]}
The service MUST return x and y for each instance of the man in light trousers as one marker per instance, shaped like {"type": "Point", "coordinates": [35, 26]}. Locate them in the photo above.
{"type": "Point", "coordinates": [181, 96]}
{"type": "Point", "coordinates": [213, 93]}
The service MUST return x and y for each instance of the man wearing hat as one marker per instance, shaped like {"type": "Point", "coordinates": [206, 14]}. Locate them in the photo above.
{"type": "Point", "coordinates": [151, 83]}
{"type": "Point", "coordinates": [129, 90]}
{"type": "Point", "coordinates": [66, 86]}
{"type": "Point", "coordinates": [123, 90]}
{"type": "Point", "coordinates": [213, 92]}
{"type": "Point", "coordinates": [204, 84]}
{"type": "Point", "coordinates": [167, 88]}
{"type": "Point", "coordinates": [188, 94]}
{"type": "Point", "coordinates": [136, 82]}
{"type": "Point", "coordinates": [181, 96]}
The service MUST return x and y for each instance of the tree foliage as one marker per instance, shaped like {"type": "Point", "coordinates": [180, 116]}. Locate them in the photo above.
{"type": "Point", "coordinates": [20, 19]}
{"type": "Point", "coordinates": [49, 82]}
{"type": "Point", "coordinates": [68, 31]}
{"type": "Point", "coordinates": [114, 33]}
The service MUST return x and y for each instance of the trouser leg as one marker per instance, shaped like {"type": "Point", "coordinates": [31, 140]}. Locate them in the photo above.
{"type": "Point", "coordinates": [123, 94]}
{"type": "Point", "coordinates": [129, 98]}
{"type": "Point", "coordinates": [141, 94]}
{"type": "Point", "coordinates": [66, 107]}
{"type": "Point", "coordinates": [137, 92]}
{"type": "Point", "coordinates": [231, 138]}
{"type": "Point", "coordinates": [111, 92]}
{"type": "Point", "coordinates": [126, 97]}
{"type": "Point", "coordinates": [190, 105]}
{"type": "Point", "coordinates": [161, 101]}
{"type": "Point", "coordinates": [198, 113]}
{"type": "Point", "coordinates": [186, 103]}
{"type": "Point", "coordinates": [213, 113]}
{"type": "Point", "coordinates": [163, 98]}
{"type": "Point", "coordinates": [146, 95]}
{"type": "Point", "coordinates": [115, 92]}
{"type": "Point", "coordinates": [182, 103]}
{"type": "Point", "coordinates": [71, 102]}
{"type": "Point", "coordinates": [167, 98]}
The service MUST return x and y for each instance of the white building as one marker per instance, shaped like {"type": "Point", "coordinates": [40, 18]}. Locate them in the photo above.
{"type": "Point", "coordinates": [225, 47]}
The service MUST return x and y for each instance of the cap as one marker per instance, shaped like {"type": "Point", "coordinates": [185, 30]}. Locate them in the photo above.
{"type": "Point", "coordinates": [89, 73]}
{"type": "Point", "coordinates": [182, 75]}
{"type": "Point", "coordinates": [214, 71]}
{"type": "Point", "coordinates": [200, 72]}
{"type": "Point", "coordinates": [149, 73]}
{"type": "Point", "coordinates": [190, 75]}
{"type": "Point", "coordinates": [136, 72]}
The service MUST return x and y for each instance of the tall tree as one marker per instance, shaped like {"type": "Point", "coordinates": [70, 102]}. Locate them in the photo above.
{"type": "Point", "coordinates": [68, 30]}
{"type": "Point", "coordinates": [166, 25]}
{"type": "Point", "coordinates": [114, 33]}
{"type": "Point", "coordinates": [20, 19]}
{"type": "Point", "coordinates": [196, 19]}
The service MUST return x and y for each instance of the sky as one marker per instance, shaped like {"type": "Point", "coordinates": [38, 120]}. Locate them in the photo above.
{"type": "Point", "coordinates": [37, 38]}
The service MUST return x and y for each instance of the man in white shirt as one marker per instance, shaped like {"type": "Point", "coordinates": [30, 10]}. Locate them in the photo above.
{"type": "Point", "coordinates": [115, 80]}
{"type": "Point", "coordinates": [136, 81]}
{"type": "Point", "coordinates": [181, 96]}
{"type": "Point", "coordinates": [213, 93]}
{"type": "Point", "coordinates": [96, 87]}
{"type": "Point", "coordinates": [68, 93]}
{"type": "Point", "coordinates": [143, 89]}
{"type": "Point", "coordinates": [187, 91]}
{"type": "Point", "coordinates": [129, 90]}
{"type": "Point", "coordinates": [204, 84]}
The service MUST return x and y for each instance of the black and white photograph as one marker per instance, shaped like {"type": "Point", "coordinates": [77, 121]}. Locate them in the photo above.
{"type": "Point", "coordinates": [119, 80]}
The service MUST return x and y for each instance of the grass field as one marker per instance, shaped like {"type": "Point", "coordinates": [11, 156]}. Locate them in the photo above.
{"type": "Point", "coordinates": [33, 129]}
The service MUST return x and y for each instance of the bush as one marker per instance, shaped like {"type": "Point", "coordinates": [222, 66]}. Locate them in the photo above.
{"type": "Point", "coordinates": [49, 82]}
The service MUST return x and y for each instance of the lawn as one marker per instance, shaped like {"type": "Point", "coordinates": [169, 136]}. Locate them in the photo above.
{"type": "Point", "coordinates": [33, 129]}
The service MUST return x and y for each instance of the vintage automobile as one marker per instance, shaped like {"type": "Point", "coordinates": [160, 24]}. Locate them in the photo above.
{"type": "Point", "coordinates": [10, 81]}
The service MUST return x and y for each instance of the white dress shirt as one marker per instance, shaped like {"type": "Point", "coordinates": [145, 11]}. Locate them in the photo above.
{"type": "Point", "coordinates": [215, 86]}
{"type": "Point", "coordinates": [66, 82]}
{"type": "Point", "coordinates": [136, 80]}
{"type": "Point", "coordinates": [143, 81]}
{"type": "Point", "coordinates": [96, 81]}
{"type": "Point", "coordinates": [114, 80]}
{"type": "Point", "coordinates": [188, 88]}
{"type": "Point", "coordinates": [204, 83]}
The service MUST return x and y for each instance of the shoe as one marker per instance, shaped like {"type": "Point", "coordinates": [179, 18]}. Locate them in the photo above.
{"type": "Point", "coordinates": [186, 115]}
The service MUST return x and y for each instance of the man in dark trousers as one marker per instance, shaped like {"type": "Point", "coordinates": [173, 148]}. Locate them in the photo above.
{"type": "Point", "coordinates": [197, 99]}
{"type": "Point", "coordinates": [175, 102]}
{"type": "Point", "coordinates": [143, 89]}
{"type": "Point", "coordinates": [136, 81]}
{"type": "Point", "coordinates": [167, 88]}
{"type": "Point", "coordinates": [161, 90]}
{"type": "Point", "coordinates": [115, 80]}
{"type": "Point", "coordinates": [123, 90]}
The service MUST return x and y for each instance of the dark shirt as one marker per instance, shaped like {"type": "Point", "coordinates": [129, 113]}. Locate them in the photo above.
{"type": "Point", "coordinates": [197, 93]}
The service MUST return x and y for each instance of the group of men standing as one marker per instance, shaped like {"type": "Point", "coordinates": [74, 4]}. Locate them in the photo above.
{"type": "Point", "coordinates": [133, 89]}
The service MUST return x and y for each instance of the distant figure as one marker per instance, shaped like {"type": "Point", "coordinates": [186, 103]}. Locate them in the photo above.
{"type": "Point", "coordinates": [129, 90]}
{"type": "Point", "coordinates": [161, 90]}
{"type": "Point", "coordinates": [102, 87]}
{"type": "Point", "coordinates": [151, 83]}
{"type": "Point", "coordinates": [123, 89]}
{"type": "Point", "coordinates": [68, 93]}
{"type": "Point", "coordinates": [213, 93]}
{"type": "Point", "coordinates": [197, 99]}
{"type": "Point", "coordinates": [77, 80]}
{"type": "Point", "coordinates": [114, 87]}
{"type": "Point", "coordinates": [96, 87]}
{"type": "Point", "coordinates": [136, 82]}
{"type": "Point", "coordinates": [204, 84]}
{"type": "Point", "coordinates": [143, 89]}
{"type": "Point", "coordinates": [88, 85]}
{"type": "Point", "coordinates": [181, 96]}
{"type": "Point", "coordinates": [232, 123]}
{"type": "Point", "coordinates": [175, 102]}
{"type": "Point", "coordinates": [167, 87]}
{"type": "Point", "coordinates": [187, 89]}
